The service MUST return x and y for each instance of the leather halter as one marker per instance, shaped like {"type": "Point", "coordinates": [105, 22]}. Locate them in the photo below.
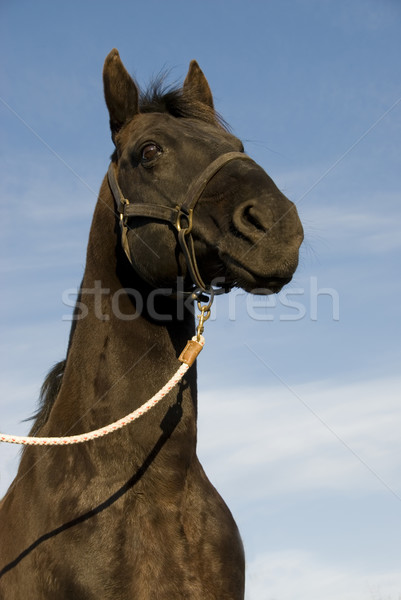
{"type": "Point", "coordinates": [180, 217]}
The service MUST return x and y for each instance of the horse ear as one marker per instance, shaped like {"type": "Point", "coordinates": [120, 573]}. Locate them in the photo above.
{"type": "Point", "coordinates": [196, 85]}
{"type": "Point", "coordinates": [120, 92]}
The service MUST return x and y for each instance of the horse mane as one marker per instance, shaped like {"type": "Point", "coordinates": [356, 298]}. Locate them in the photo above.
{"type": "Point", "coordinates": [48, 394]}
{"type": "Point", "coordinates": [161, 97]}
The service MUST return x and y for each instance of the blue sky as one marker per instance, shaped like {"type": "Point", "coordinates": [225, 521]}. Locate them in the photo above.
{"type": "Point", "coordinates": [299, 425]}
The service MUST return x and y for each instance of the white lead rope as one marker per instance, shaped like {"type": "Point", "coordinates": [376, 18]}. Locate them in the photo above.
{"type": "Point", "coordinates": [187, 357]}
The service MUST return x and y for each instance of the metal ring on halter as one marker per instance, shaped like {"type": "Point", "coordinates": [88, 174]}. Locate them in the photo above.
{"type": "Point", "coordinates": [207, 306]}
{"type": "Point", "coordinates": [188, 216]}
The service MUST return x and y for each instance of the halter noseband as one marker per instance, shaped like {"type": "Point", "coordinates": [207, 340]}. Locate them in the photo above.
{"type": "Point", "coordinates": [180, 217]}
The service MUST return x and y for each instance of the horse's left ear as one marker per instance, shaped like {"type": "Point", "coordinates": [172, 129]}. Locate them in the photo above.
{"type": "Point", "coordinates": [196, 85]}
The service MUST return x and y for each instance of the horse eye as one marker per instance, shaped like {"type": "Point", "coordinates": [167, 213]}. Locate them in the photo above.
{"type": "Point", "coordinates": [150, 152]}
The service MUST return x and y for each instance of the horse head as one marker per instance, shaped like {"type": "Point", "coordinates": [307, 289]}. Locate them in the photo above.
{"type": "Point", "coordinates": [180, 176]}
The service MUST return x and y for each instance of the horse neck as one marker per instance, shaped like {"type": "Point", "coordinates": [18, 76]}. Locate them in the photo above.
{"type": "Point", "coordinates": [118, 356]}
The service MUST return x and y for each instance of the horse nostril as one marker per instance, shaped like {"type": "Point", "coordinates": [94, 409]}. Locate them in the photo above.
{"type": "Point", "coordinates": [249, 219]}
{"type": "Point", "coordinates": [252, 218]}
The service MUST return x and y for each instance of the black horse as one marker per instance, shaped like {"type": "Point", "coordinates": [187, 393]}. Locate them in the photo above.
{"type": "Point", "coordinates": [133, 515]}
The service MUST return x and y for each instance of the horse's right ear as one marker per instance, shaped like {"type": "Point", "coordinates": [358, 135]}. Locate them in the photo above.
{"type": "Point", "coordinates": [196, 85]}
{"type": "Point", "coordinates": [120, 92]}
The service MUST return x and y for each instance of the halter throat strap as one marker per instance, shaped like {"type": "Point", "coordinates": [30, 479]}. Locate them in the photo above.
{"type": "Point", "coordinates": [180, 216]}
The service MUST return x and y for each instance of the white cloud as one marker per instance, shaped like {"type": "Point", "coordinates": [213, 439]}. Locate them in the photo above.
{"type": "Point", "coordinates": [313, 437]}
{"type": "Point", "coordinates": [368, 229]}
{"type": "Point", "coordinates": [293, 574]}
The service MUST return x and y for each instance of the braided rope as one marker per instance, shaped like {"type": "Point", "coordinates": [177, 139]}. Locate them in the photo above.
{"type": "Point", "coordinates": [97, 433]}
